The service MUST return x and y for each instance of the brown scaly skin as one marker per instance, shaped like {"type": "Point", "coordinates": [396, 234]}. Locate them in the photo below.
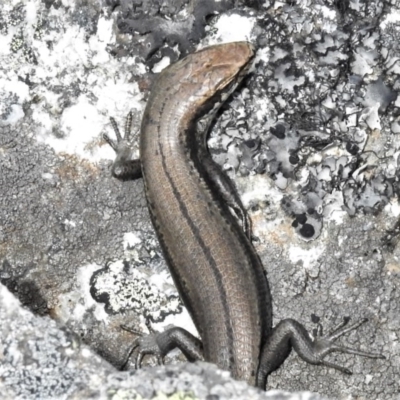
{"type": "Point", "coordinates": [204, 230]}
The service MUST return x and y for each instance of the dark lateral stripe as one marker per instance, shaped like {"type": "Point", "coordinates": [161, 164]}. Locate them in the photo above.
{"type": "Point", "coordinates": [196, 234]}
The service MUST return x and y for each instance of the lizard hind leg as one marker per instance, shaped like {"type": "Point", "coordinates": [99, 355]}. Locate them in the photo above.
{"type": "Point", "coordinates": [160, 344]}
{"type": "Point", "coordinates": [290, 334]}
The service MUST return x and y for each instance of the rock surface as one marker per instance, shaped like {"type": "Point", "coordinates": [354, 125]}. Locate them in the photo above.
{"type": "Point", "coordinates": [311, 140]}
{"type": "Point", "coordinates": [39, 360]}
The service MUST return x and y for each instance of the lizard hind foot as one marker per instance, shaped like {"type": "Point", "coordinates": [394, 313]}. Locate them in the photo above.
{"type": "Point", "coordinates": [159, 344]}
{"type": "Point", "coordinates": [291, 334]}
{"type": "Point", "coordinates": [144, 344]}
{"type": "Point", "coordinates": [325, 344]}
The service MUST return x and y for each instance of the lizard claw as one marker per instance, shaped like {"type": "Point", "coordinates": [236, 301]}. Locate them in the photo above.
{"type": "Point", "coordinates": [160, 343]}
{"type": "Point", "coordinates": [145, 344]}
{"type": "Point", "coordinates": [290, 333]}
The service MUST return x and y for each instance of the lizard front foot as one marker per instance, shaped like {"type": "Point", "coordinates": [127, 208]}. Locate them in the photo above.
{"type": "Point", "coordinates": [124, 167]}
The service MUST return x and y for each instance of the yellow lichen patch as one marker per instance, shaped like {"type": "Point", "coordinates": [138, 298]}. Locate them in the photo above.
{"type": "Point", "coordinates": [131, 394]}
{"type": "Point", "coordinates": [350, 282]}
{"type": "Point", "coordinates": [393, 267]}
{"type": "Point", "coordinates": [73, 167]}
{"type": "Point", "coordinates": [277, 233]}
{"type": "Point", "coordinates": [175, 396]}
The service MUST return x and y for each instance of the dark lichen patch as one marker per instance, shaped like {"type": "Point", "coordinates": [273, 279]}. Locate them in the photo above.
{"type": "Point", "coordinates": [21, 43]}
{"type": "Point", "coordinates": [323, 103]}
{"type": "Point", "coordinates": [164, 25]}
{"type": "Point", "coordinates": [307, 231]}
{"type": "Point", "coordinates": [306, 222]}
{"type": "Point", "coordinates": [26, 290]}
{"type": "Point", "coordinates": [379, 92]}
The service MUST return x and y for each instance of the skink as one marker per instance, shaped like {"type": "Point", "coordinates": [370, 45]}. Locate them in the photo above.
{"type": "Point", "coordinates": [204, 230]}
